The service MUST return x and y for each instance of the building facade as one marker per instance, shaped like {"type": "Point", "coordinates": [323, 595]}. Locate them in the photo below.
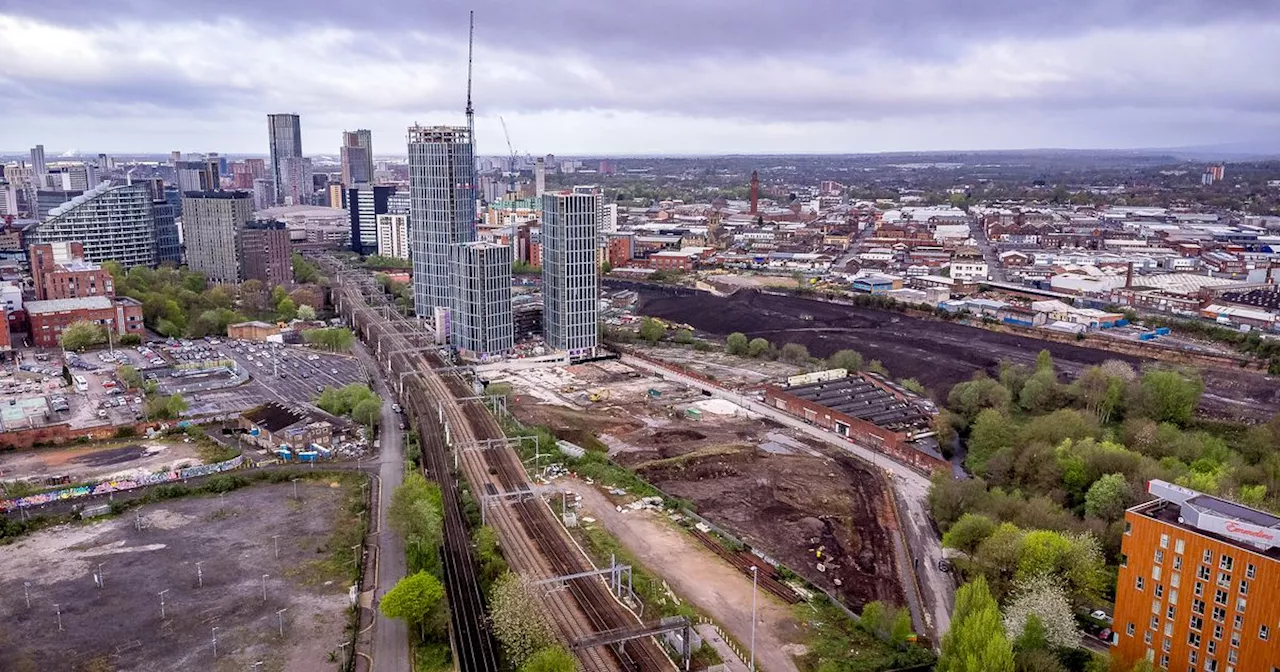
{"type": "Point", "coordinates": [59, 271]}
{"type": "Point", "coordinates": [211, 225]}
{"type": "Point", "coordinates": [1197, 584]}
{"type": "Point", "coordinates": [284, 133]}
{"type": "Point", "coordinates": [442, 209]}
{"type": "Point", "coordinates": [202, 175]}
{"type": "Point", "coordinates": [366, 203]}
{"type": "Point", "coordinates": [480, 321]}
{"type": "Point", "coordinates": [357, 157]}
{"type": "Point", "coordinates": [266, 254]}
{"type": "Point", "coordinates": [168, 239]}
{"type": "Point", "coordinates": [114, 223]}
{"type": "Point", "coordinates": [299, 181]}
{"type": "Point", "coordinates": [570, 288]}
{"type": "Point", "coordinates": [393, 235]}
{"type": "Point", "coordinates": [48, 319]}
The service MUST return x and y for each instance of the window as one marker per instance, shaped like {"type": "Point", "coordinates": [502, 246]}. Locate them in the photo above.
{"type": "Point", "coordinates": [1195, 656]}
{"type": "Point", "coordinates": [1194, 640]}
{"type": "Point", "coordinates": [1264, 632]}
{"type": "Point", "coordinates": [1128, 629]}
{"type": "Point", "coordinates": [1146, 637]}
{"type": "Point", "coordinates": [1217, 632]}
{"type": "Point", "coordinates": [1235, 638]}
{"type": "Point", "coordinates": [1159, 557]}
{"type": "Point", "coordinates": [1155, 573]}
{"type": "Point", "coordinates": [1211, 666]}
{"type": "Point", "coordinates": [1238, 621]}
{"type": "Point", "coordinates": [1164, 541]}
{"type": "Point", "coordinates": [1203, 573]}
{"type": "Point", "coordinates": [1168, 628]}
{"type": "Point", "coordinates": [1220, 596]}
{"type": "Point", "coordinates": [1155, 618]}
{"type": "Point", "coordinates": [1197, 606]}
{"type": "Point", "coordinates": [1197, 623]}
{"type": "Point", "coordinates": [1233, 656]}
{"type": "Point", "coordinates": [1226, 562]}
{"type": "Point", "coordinates": [1240, 604]}
{"type": "Point", "coordinates": [1212, 648]}
{"type": "Point", "coordinates": [1167, 645]}
{"type": "Point", "coordinates": [1244, 587]}
{"type": "Point", "coordinates": [1159, 590]}
{"type": "Point", "coordinates": [1124, 560]}
{"type": "Point", "coordinates": [1208, 557]}
{"type": "Point", "coordinates": [1177, 562]}
{"type": "Point", "coordinates": [1219, 614]}
{"type": "Point", "coordinates": [1164, 661]}
{"type": "Point", "coordinates": [1139, 583]}
{"type": "Point", "coordinates": [1250, 571]}
{"type": "Point", "coordinates": [1173, 597]}
{"type": "Point", "coordinates": [1224, 580]}
{"type": "Point", "coordinates": [1128, 527]}
{"type": "Point", "coordinates": [1175, 580]}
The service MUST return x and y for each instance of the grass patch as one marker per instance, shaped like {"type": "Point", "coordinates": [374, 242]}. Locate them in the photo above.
{"type": "Point", "coordinates": [432, 657]}
{"type": "Point", "coordinates": [339, 563]}
{"type": "Point", "coordinates": [212, 452]}
{"type": "Point", "coordinates": [837, 642]}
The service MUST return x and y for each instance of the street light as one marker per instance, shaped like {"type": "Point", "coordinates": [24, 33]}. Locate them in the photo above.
{"type": "Point", "coordinates": [755, 577]}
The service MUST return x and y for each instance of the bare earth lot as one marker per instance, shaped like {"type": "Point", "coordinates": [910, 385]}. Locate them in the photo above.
{"type": "Point", "coordinates": [80, 464]}
{"type": "Point", "coordinates": [119, 627]}
{"type": "Point", "coordinates": [938, 354]}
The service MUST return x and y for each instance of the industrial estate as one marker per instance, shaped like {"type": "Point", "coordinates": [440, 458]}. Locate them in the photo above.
{"type": "Point", "coordinates": [431, 410]}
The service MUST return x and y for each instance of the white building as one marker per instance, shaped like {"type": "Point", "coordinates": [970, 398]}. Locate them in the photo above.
{"type": "Point", "coordinates": [393, 235]}
{"type": "Point", "coordinates": [10, 298]}
{"type": "Point", "coordinates": [969, 270]}
{"type": "Point", "coordinates": [570, 288]}
{"type": "Point", "coordinates": [480, 321]}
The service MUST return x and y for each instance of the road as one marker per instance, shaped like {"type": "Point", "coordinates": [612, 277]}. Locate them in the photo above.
{"type": "Point", "coordinates": [390, 637]}
{"type": "Point", "coordinates": [990, 253]}
{"type": "Point", "coordinates": [936, 587]}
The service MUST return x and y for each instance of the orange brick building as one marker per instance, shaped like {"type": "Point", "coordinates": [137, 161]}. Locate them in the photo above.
{"type": "Point", "coordinates": [1198, 584]}
{"type": "Point", "coordinates": [59, 271]}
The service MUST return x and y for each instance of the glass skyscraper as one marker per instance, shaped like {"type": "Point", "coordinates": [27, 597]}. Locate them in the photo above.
{"type": "Point", "coordinates": [113, 222]}
{"type": "Point", "coordinates": [570, 289]}
{"type": "Point", "coordinates": [284, 132]}
{"type": "Point", "coordinates": [442, 209]}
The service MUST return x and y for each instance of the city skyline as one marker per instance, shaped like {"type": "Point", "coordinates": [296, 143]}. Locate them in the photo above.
{"type": "Point", "coordinates": [665, 78]}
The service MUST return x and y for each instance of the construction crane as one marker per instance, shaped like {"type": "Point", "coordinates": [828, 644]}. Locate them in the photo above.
{"type": "Point", "coordinates": [510, 200]}
{"type": "Point", "coordinates": [471, 120]}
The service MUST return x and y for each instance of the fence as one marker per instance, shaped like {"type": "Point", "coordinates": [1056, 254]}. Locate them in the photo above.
{"type": "Point", "coordinates": [118, 485]}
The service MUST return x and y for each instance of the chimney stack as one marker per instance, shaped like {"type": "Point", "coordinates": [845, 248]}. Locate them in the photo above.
{"type": "Point", "coordinates": [755, 192]}
{"type": "Point", "coordinates": [1128, 277]}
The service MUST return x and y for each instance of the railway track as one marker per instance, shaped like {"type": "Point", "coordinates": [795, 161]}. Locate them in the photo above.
{"type": "Point", "coordinates": [533, 540]}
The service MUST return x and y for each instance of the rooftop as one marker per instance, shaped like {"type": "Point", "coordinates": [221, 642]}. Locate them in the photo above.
{"type": "Point", "coordinates": [1226, 521]}
{"type": "Point", "coordinates": [66, 305]}
{"type": "Point", "coordinates": [863, 399]}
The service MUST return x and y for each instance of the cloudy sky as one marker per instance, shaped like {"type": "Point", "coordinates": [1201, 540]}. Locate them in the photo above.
{"type": "Point", "coordinates": [653, 76]}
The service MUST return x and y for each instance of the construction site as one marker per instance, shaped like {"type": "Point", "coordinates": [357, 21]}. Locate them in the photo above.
{"type": "Point", "coordinates": [202, 582]}
{"type": "Point", "coordinates": [818, 512]}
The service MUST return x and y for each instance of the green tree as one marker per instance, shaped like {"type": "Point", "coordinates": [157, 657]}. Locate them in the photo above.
{"type": "Point", "coordinates": [176, 405]}
{"type": "Point", "coordinates": [876, 367]}
{"type": "Point", "coordinates": [1041, 393]}
{"type": "Point", "coordinates": [416, 514]}
{"type": "Point", "coordinates": [969, 398]}
{"type": "Point", "coordinates": [967, 533]}
{"type": "Point", "coordinates": [736, 343]}
{"type": "Point", "coordinates": [794, 353]}
{"type": "Point", "coordinates": [416, 599]}
{"type": "Point", "coordinates": [306, 312]}
{"type": "Point", "coordinates": [684, 337]}
{"type": "Point", "coordinates": [129, 376]}
{"type": "Point", "coordinates": [333, 339]}
{"type": "Point", "coordinates": [992, 430]}
{"type": "Point", "coordinates": [976, 641]}
{"type": "Point", "coordinates": [1108, 497]}
{"type": "Point", "coordinates": [130, 339]}
{"type": "Point", "coordinates": [519, 623]}
{"type": "Point", "coordinates": [850, 360]}
{"type": "Point", "coordinates": [550, 659]}
{"type": "Point", "coordinates": [1044, 361]}
{"type": "Point", "coordinates": [913, 385]}
{"type": "Point", "coordinates": [758, 347]}
{"type": "Point", "coordinates": [81, 335]}
{"type": "Point", "coordinates": [286, 310]}
{"type": "Point", "coordinates": [1165, 395]}
{"type": "Point", "coordinates": [367, 412]}
{"type": "Point", "coordinates": [304, 272]}
{"type": "Point", "coordinates": [652, 330]}
{"type": "Point", "coordinates": [489, 555]}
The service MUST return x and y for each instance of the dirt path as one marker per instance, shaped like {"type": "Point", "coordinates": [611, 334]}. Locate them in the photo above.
{"type": "Point", "coordinates": [697, 575]}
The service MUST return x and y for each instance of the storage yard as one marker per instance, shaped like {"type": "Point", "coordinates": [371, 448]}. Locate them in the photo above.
{"type": "Point", "coordinates": [820, 515]}
{"type": "Point", "coordinates": [209, 560]}
{"type": "Point", "coordinates": [938, 354]}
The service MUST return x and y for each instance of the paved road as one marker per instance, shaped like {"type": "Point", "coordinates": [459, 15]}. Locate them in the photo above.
{"type": "Point", "coordinates": [936, 587]}
{"type": "Point", "coordinates": [390, 638]}
{"type": "Point", "coordinates": [990, 253]}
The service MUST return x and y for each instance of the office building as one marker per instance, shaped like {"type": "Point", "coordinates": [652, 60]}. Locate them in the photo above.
{"type": "Point", "coordinates": [442, 208]}
{"type": "Point", "coordinates": [357, 157]}
{"type": "Point", "coordinates": [570, 289]}
{"type": "Point", "coordinates": [265, 253]}
{"type": "Point", "coordinates": [393, 235]}
{"type": "Point", "coordinates": [48, 199]}
{"type": "Point", "coordinates": [59, 271]}
{"type": "Point", "coordinates": [365, 203]}
{"type": "Point", "coordinates": [539, 177]}
{"type": "Point", "coordinates": [284, 132]}
{"type": "Point", "coordinates": [299, 181]}
{"type": "Point", "coordinates": [337, 196]}
{"type": "Point", "coordinates": [120, 315]}
{"type": "Point", "coordinates": [168, 237]}
{"type": "Point", "coordinates": [480, 320]}
{"type": "Point", "coordinates": [264, 194]}
{"type": "Point", "coordinates": [211, 226]}
{"type": "Point", "coordinates": [113, 223]}
{"type": "Point", "coordinates": [8, 198]}
{"type": "Point", "coordinates": [75, 177]}
{"type": "Point", "coordinates": [1197, 582]}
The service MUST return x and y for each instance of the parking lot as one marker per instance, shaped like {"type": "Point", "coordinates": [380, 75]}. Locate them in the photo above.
{"type": "Point", "coordinates": [277, 372]}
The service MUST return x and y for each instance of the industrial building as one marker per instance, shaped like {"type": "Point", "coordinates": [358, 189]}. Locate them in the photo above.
{"type": "Point", "coordinates": [1197, 581]}
{"type": "Point", "coordinates": [480, 319]}
{"type": "Point", "coordinates": [570, 288]}
{"type": "Point", "coordinates": [867, 409]}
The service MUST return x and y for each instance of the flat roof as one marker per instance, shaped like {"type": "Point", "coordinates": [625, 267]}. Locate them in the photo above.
{"type": "Point", "coordinates": [64, 305]}
{"type": "Point", "coordinates": [864, 400]}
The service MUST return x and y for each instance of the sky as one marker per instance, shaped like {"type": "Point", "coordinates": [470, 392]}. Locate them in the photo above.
{"type": "Point", "coordinates": [604, 77]}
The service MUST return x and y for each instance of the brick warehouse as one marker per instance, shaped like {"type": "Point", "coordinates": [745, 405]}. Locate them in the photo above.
{"type": "Point", "coordinates": [48, 318]}
{"type": "Point", "coordinates": [1197, 586]}
{"type": "Point", "coordinates": [869, 410]}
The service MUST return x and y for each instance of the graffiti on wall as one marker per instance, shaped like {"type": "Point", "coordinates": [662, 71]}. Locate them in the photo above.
{"type": "Point", "coordinates": [118, 485]}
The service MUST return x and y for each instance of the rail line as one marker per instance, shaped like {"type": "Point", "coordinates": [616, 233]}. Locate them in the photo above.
{"type": "Point", "coordinates": [533, 541]}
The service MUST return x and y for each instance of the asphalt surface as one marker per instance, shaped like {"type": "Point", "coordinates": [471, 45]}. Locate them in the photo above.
{"type": "Point", "coordinates": [287, 374]}
{"type": "Point", "coordinates": [390, 636]}
{"type": "Point", "coordinates": [937, 589]}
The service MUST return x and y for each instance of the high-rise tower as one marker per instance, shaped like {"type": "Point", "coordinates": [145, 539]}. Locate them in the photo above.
{"type": "Point", "coordinates": [357, 157]}
{"type": "Point", "coordinates": [442, 208]}
{"type": "Point", "coordinates": [570, 290]}
{"type": "Point", "coordinates": [755, 192]}
{"type": "Point", "coordinates": [284, 131]}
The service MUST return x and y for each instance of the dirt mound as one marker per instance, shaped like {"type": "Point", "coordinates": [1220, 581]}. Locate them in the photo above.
{"type": "Point", "coordinates": [668, 437]}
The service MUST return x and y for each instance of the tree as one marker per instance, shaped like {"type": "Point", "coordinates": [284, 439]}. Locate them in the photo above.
{"type": "Point", "coordinates": [794, 353]}
{"type": "Point", "coordinates": [652, 330]}
{"type": "Point", "coordinates": [1165, 395]}
{"type": "Point", "coordinates": [1044, 599]}
{"type": "Point", "coordinates": [1044, 361]}
{"type": "Point", "coordinates": [367, 412]}
{"type": "Point", "coordinates": [976, 641]}
{"type": "Point", "coordinates": [286, 310]}
{"type": "Point", "coordinates": [684, 337]}
{"type": "Point", "coordinates": [129, 376]}
{"type": "Point", "coordinates": [518, 621]}
{"type": "Point", "coordinates": [333, 339]}
{"type": "Point", "coordinates": [1108, 497]}
{"type": "Point", "coordinates": [416, 599]}
{"type": "Point", "coordinates": [850, 360]}
{"type": "Point", "coordinates": [992, 430]}
{"type": "Point", "coordinates": [304, 272]}
{"type": "Point", "coordinates": [416, 514]}
{"type": "Point", "coordinates": [1013, 377]}
{"type": "Point", "coordinates": [550, 659]}
{"type": "Point", "coordinates": [130, 339]}
{"type": "Point", "coordinates": [176, 405]}
{"type": "Point", "coordinates": [968, 532]}
{"type": "Point", "coordinates": [913, 385]}
{"type": "Point", "coordinates": [758, 347]}
{"type": "Point", "coordinates": [1101, 392]}
{"type": "Point", "coordinates": [969, 398]}
{"type": "Point", "coordinates": [81, 335]}
{"type": "Point", "coordinates": [876, 367]}
{"type": "Point", "coordinates": [1041, 392]}
{"type": "Point", "coordinates": [306, 313]}
{"type": "Point", "coordinates": [736, 343]}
